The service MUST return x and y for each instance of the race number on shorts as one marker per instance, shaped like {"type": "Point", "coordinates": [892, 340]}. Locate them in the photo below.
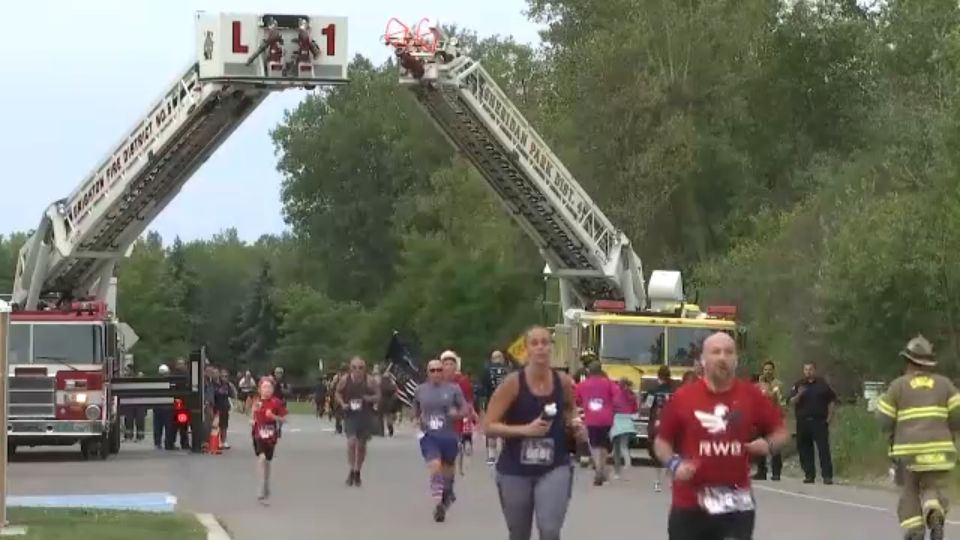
{"type": "Point", "coordinates": [537, 452]}
{"type": "Point", "coordinates": [724, 500]}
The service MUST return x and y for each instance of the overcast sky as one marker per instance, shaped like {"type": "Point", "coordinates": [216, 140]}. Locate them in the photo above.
{"type": "Point", "coordinates": [75, 85]}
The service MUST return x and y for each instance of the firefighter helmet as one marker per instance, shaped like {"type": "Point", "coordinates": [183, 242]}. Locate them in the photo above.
{"type": "Point", "coordinates": [919, 351]}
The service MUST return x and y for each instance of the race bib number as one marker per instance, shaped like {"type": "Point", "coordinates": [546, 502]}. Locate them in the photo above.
{"type": "Point", "coordinates": [537, 452]}
{"type": "Point", "coordinates": [723, 500]}
{"type": "Point", "coordinates": [436, 422]}
{"type": "Point", "coordinates": [356, 404]}
{"type": "Point", "coordinates": [595, 404]}
{"type": "Point", "coordinates": [267, 431]}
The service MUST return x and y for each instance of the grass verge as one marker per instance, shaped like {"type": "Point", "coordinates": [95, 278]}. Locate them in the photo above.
{"type": "Point", "coordinates": [71, 524]}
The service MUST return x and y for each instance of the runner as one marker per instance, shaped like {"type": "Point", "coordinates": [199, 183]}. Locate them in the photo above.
{"type": "Point", "coordinates": [356, 394]}
{"type": "Point", "coordinates": [533, 411]}
{"type": "Point", "coordinates": [466, 439]}
{"type": "Point", "coordinates": [495, 372]}
{"type": "Point", "coordinates": [597, 395]}
{"type": "Point", "coordinates": [451, 372]}
{"type": "Point", "coordinates": [437, 404]}
{"type": "Point", "coordinates": [706, 440]}
{"type": "Point", "coordinates": [268, 413]}
{"type": "Point", "coordinates": [248, 388]}
{"type": "Point", "coordinates": [659, 397]}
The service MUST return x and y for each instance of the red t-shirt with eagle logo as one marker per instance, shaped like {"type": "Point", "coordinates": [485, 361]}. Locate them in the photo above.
{"type": "Point", "coordinates": [712, 429]}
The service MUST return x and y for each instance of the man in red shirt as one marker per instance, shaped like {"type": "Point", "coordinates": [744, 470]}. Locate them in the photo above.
{"type": "Point", "coordinates": [706, 440]}
{"type": "Point", "coordinates": [451, 372]}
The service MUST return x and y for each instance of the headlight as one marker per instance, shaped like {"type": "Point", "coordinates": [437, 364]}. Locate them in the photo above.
{"type": "Point", "coordinates": [93, 412]}
{"type": "Point", "coordinates": [79, 397]}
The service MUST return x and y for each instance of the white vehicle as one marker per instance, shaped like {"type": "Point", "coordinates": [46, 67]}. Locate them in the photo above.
{"type": "Point", "coordinates": [66, 343]}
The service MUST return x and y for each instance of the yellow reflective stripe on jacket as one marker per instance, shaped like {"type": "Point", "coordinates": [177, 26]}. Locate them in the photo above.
{"type": "Point", "coordinates": [922, 448]}
{"type": "Point", "coordinates": [930, 468]}
{"type": "Point", "coordinates": [914, 522]}
{"type": "Point", "coordinates": [914, 413]}
{"type": "Point", "coordinates": [953, 402]}
{"type": "Point", "coordinates": [887, 409]}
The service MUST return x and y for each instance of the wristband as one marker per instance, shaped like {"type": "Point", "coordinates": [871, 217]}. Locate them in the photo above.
{"type": "Point", "coordinates": [673, 464]}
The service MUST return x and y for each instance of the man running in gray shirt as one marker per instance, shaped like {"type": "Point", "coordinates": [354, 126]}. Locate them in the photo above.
{"type": "Point", "coordinates": [436, 405]}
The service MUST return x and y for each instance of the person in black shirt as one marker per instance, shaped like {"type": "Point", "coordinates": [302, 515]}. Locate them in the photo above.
{"type": "Point", "coordinates": [813, 402]}
{"type": "Point", "coordinates": [658, 397]}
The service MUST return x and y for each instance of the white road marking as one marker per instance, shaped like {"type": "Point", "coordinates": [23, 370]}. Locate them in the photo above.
{"type": "Point", "coordinates": [832, 501]}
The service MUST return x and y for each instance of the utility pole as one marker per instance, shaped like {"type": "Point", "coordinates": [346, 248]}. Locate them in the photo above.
{"type": "Point", "coordinates": [5, 528]}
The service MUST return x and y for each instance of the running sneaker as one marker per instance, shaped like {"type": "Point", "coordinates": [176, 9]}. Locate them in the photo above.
{"type": "Point", "coordinates": [440, 513]}
{"type": "Point", "coordinates": [356, 478]}
{"type": "Point", "coordinates": [350, 478]}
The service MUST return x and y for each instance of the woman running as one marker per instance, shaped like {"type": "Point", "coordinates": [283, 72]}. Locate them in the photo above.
{"type": "Point", "coordinates": [533, 410]}
{"type": "Point", "coordinates": [268, 414]}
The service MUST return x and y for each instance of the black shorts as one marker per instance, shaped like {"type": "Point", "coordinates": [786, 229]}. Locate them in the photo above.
{"type": "Point", "coordinates": [265, 448]}
{"type": "Point", "coordinates": [224, 419]}
{"type": "Point", "coordinates": [466, 438]}
{"type": "Point", "coordinates": [599, 437]}
{"type": "Point", "coordinates": [358, 427]}
{"type": "Point", "coordinates": [696, 524]}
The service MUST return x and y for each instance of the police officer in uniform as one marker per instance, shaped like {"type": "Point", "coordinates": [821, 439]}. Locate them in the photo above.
{"type": "Point", "coordinates": [922, 411]}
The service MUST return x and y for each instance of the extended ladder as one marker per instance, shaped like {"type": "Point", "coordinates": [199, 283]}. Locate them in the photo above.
{"type": "Point", "coordinates": [593, 258]}
{"type": "Point", "coordinates": [241, 59]}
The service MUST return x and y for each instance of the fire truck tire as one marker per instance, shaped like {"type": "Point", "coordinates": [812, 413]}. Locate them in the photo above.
{"type": "Point", "coordinates": [114, 438]}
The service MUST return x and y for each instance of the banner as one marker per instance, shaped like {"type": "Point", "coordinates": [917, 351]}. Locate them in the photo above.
{"type": "Point", "coordinates": [402, 366]}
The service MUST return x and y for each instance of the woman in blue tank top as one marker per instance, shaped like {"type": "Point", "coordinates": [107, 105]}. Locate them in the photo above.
{"type": "Point", "coordinates": [533, 410]}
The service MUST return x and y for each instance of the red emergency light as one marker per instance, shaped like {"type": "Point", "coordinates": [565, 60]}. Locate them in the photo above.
{"type": "Point", "coordinates": [614, 306]}
{"type": "Point", "coordinates": [181, 416]}
{"type": "Point", "coordinates": [722, 311]}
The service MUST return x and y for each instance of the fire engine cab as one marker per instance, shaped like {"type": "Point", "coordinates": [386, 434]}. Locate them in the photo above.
{"type": "Point", "coordinates": [66, 342]}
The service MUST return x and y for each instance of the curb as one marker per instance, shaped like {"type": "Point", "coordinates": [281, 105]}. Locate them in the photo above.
{"type": "Point", "coordinates": [215, 531]}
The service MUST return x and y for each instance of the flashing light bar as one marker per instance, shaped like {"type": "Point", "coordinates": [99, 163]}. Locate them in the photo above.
{"type": "Point", "coordinates": [609, 305]}
{"type": "Point", "coordinates": [722, 311]}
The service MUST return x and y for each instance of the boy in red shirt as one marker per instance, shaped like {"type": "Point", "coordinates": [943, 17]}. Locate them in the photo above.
{"type": "Point", "coordinates": [268, 414]}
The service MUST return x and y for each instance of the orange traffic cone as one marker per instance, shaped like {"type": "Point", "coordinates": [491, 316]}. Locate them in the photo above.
{"type": "Point", "coordinates": [213, 443]}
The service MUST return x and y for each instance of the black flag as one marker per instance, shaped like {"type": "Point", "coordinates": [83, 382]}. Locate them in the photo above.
{"type": "Point", "coordinates": [403, 368]}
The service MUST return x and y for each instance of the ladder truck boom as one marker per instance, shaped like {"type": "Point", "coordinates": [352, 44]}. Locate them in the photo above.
{"type": "Point", "coordinates": [593, 259]}
{"type": "Point", "coordinates": [241, 59]}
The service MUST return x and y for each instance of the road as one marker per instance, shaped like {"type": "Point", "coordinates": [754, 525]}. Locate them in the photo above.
{"type": "Point", "coordinates": [310, 499]}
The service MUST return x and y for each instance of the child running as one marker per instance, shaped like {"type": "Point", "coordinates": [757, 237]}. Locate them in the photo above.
{"type": "Point", "coordinates": [268, 414]}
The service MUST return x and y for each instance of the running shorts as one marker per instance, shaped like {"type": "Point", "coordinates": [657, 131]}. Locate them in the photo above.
{"type": "Point", "coordinates": [443, 447]}
{"type": "Point", "coordinates": [599, 437]}
{"type": "Point", "coordinates": [695, 524]}
{"type": "Point", "coordinates": [358, 426]}
{"type": "Point", "coordinates": [266, 448]}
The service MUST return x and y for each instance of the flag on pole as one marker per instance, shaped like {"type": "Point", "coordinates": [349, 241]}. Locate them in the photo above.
{"type": "Point", "coordinates": [403, 368]}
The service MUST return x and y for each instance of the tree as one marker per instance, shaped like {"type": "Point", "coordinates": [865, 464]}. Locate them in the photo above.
{"type": "Point", "coordinates": [186, 278]}
{"type": "Point", "coordinates": [256, 336]}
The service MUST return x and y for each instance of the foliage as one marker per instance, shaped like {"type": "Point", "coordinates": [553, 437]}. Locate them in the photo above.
{"type": "Point", "coordinates": [793, 157]}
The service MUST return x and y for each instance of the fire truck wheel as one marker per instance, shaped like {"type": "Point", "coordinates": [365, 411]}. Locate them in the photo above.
{"type": "Point", "coordinates": [114, 438]}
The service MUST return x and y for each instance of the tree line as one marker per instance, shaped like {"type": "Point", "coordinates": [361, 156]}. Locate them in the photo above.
{"type": "Point", "coordinates": [795, 158]}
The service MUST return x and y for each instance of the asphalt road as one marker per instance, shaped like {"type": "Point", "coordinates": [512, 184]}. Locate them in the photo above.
{"type": "Point", "coordinates": [310, 499]}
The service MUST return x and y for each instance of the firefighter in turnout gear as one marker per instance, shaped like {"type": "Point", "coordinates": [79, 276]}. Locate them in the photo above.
{"type": "Point", "coordinates": [922, 411]}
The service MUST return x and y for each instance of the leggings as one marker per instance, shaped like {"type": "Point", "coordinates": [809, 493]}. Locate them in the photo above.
{"type": "Point", "coordinates": [546, 496]}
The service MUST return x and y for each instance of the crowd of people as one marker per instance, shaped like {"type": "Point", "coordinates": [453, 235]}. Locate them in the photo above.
{"type": "Point", "coordinates": [706, 431]}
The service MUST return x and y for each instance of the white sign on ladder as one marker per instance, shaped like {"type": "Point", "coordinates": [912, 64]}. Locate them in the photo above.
{"type": "Point", "coordinates": [272, 49]}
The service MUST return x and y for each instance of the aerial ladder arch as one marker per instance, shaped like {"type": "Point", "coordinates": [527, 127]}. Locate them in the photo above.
{"type": "Point", "coordinates": [593, 259]}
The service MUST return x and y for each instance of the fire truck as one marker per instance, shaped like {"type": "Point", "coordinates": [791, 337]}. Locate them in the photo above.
{"type": "Point", "coordinates": [633, 325]}
{"type": "Point", "coordinates": [66, 341]}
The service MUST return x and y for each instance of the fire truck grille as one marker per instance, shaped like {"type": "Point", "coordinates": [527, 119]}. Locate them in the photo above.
{"type": "Point", "coordinates": [32, 397]}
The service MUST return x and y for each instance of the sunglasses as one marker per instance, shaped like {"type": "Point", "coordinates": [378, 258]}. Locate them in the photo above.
{"type": "Point", "coordinates": [435, 370]}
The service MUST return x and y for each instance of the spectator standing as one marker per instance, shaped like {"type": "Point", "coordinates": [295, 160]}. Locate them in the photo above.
{"type": "Point", "coordinates": [771, 387]}
{"type": "Point", "coordinates": [814, 403]}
